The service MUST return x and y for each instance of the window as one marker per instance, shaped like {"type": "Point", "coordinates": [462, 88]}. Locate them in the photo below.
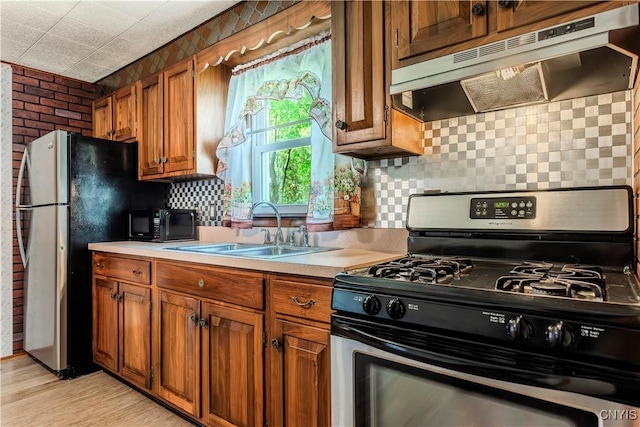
{"type": "Point", "coordinates": [281, 163]}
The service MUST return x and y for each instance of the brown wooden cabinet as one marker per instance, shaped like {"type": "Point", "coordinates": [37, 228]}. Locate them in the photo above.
{"type": "Point", "coordinates": [428, 29]}
{"type": "Point", "coordinates": [209, 354]}
{"type": "Point", "coordinates": [362, 113]}
{"type": "Point", "coordinates": [122, 318]}
{"type": "Point", "coordinates": [232, 366]}
{"type": "Point", "coordinates": [423, 26]}
{"type": "Point", "coordinates": [150, 129]}
{"type": "Point", "coordinates": [114, 116]}
{"type": "Point", "coordinates": [181, 121]}
{"type": "Point", "coordinates": [298, 353]}
{"type": "Point", "coordinates": [177, 351]}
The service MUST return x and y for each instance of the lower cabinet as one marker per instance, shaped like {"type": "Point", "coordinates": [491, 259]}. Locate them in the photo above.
{"type": "Point", "coordinates": [122, 329]}
{"type": "Point", "coordinates": [194, 337]}
{"type": "Point", "coordinates": [299, 354]}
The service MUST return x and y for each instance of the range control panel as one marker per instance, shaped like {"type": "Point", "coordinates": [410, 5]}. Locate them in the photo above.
{"type": "Point", "coordinates": [503, 208]}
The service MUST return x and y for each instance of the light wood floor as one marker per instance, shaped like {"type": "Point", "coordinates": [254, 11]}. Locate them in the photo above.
{"type": "Point", "coordinates": [32, 396]}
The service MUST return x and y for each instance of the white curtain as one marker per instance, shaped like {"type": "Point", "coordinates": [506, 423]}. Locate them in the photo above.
{"type": "Point", "coordinates": [288, 76]}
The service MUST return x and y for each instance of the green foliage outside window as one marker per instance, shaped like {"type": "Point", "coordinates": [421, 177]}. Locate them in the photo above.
{"type": "Point", "coordinates": [289, 174]}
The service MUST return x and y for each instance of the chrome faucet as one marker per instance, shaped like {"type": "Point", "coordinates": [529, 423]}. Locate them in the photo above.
{"type": "Point", "coordinates": [279, 237]}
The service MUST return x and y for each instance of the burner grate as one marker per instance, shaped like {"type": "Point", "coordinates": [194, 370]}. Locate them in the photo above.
{"type": "Point", "coordinates": [423, 270]}
{"type": "Point", "coordinates": [572, 281]}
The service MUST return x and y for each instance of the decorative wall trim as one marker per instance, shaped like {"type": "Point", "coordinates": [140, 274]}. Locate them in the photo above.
{"type": "Point", "coordinates": [222, 26]}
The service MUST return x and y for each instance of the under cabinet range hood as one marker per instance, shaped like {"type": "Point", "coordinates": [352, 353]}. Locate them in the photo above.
{"type": "Point", "coordinates": [589, 56]}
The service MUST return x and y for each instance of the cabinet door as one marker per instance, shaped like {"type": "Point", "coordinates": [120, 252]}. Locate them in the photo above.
{"type": "Point", "coordinates": [124, 114]}
{"type": "Point", "coordinates": [150, 98]}
{"type": "Point", "coordinates": [178, 117]}
{"type": "Point", "coordinates": [178, 366]}
{"type": "Point", "coordinates": [105, 323]}
{"type": "Point", "coordinates": [513, 14]}
{"type": "Point", "coordinates": [423, 26]}
{"type": "Point", "coordinates": [232, 370]}
{"type": "Point", "coordinates": [359, 94]}
{"type": "Point", "coordinates": [135, 334]}
{"type": "Point", "coordinates": [102, 113]}
{"type": "Point", "coordinates": [300, 375]}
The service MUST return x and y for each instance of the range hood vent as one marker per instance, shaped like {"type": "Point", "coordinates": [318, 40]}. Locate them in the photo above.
{"type": "Point", "coordinates": [589, 56]}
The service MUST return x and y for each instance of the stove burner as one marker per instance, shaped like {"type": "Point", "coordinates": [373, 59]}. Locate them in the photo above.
{"type": "Point", "coordinates": [572, 281]}
{"type": "Point", "coordinates": [424, 270]}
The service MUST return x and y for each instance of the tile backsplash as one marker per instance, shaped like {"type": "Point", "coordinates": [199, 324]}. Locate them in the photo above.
{"type": "Point", "coordinates": [579, 142]}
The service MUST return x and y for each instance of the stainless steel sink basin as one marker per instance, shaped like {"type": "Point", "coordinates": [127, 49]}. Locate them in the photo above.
{"type": "Point", "coordinates": [215, 248]}
{"type": "Point", "coordinates": [249, 250]}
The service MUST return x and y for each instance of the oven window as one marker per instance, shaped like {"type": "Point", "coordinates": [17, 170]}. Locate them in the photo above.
{"type": "Point", "coordinates": [391, 394]}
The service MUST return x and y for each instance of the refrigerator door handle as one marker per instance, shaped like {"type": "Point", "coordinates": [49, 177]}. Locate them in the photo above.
{"type": "Point", "coordinates": [24, 163]}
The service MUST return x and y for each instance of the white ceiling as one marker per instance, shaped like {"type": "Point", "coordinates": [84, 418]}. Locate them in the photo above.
{"type": "Point", "coordinates": [88, 40]}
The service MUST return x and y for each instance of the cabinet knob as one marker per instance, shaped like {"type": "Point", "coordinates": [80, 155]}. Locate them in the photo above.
{"type": "Point", "coordinates": [505, 3]}
{"type": "Point", "coordinates": [201, 283]}
{"type": "Point", "coordinates": [194, 318]}
{"type": "Point", "coordinates": [341, 125]}
{"type": "Point", "coordinates": [204, 323]}
{"type": "Point", "coordinates": [477, 9]}
{"type": "Point", "coordinates": [275, 343]}
{"type": "Point", "coordinates": [157, 160]}
{"type": "Point", "coordinates": [164, 160]}
{"type": "Point", "coordinates": [137, 273]}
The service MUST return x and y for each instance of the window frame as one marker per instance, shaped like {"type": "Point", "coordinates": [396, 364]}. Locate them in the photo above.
{"type": "Point", "coordinates": [258, 133]}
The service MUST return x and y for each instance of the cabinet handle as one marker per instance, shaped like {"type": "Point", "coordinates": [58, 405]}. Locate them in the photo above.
{"type": "Point", "coordinates": [194, 318]}
{"type": "Point", "coordinates": [137, 273]}
{"type": "Point", "coordinates": [201, 283]}
{"type": "Point", "coordinates": [477, 9]}
{"type": "Point", "coordinates": [275, 344]}
{"type": "Point", "coordinates": [204, 323]}
{"type": "Point", "coordinates": [505, 3]}
{"type": "Point", "coordinates": [99, 266]}
{"type": "Point", "coordinates": [164, 160]}
{"type": "Point", "coordinates": [306, 305]}
{"type": "Point", "coordinates": [341, 125]}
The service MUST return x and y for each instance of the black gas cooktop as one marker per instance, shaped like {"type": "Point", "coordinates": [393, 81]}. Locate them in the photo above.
{"type": "Point", "coordinates": [530, 278]}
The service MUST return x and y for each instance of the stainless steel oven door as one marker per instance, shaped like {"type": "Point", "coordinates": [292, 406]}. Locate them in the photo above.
{"type": "Point", "coordinates": [373, 387]}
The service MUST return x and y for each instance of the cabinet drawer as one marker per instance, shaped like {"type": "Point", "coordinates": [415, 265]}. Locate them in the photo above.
{"type": "Point", "coordinates": [237, 287]}
{"type": "Point", "coordinates": [129, 269]}
{"type": "Point", "coordinates": [307, 300]}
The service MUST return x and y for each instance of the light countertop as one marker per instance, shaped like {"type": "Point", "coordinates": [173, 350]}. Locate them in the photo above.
{"type": "Point", "coordinates": [320, 264]}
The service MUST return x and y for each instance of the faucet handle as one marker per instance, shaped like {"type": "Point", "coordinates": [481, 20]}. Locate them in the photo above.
{"type": "Point", "coordinates": [304, 236]}
{"type": "Point", "coordinates": [292, 237]}
{"type": "Point", "coordinates": [267, 237]}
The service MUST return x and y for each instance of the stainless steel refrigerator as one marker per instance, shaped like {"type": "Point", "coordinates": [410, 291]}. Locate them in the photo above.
{"type": "Point", "coordinates": [71, 190]}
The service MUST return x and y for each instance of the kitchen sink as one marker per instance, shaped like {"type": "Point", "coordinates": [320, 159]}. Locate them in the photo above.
{"type": "Point", "coordinates": [249, 250]}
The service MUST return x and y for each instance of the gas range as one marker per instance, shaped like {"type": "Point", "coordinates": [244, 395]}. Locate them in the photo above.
{"type": "Point", "coordinates": [546, 274]}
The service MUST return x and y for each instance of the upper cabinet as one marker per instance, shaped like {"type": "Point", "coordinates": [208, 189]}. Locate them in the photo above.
{"type": "Point", "coordinates": [181, 121]}
{"type": "Point", "coordinates": [429, 29]}
{"type": "Point", "coordinates": [362, 115]}
{"type": "Point", "coordinates": [423, 26]}
{"type": "Point", "coordinates": [114, 116]}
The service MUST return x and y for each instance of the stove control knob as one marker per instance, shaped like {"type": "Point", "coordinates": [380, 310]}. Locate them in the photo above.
{"type": "Point", "coordinates": [396, 309]}
{"type": "Point", "coordinates": [519, 329]}
{"type": "Point", "coordinates": [559, 335]}
{"type": "Point", "coordinates": [371, 305]}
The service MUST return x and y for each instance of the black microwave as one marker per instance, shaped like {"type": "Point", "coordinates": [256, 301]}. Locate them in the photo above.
{"type": "Point", "coordinates": [162, 225]}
